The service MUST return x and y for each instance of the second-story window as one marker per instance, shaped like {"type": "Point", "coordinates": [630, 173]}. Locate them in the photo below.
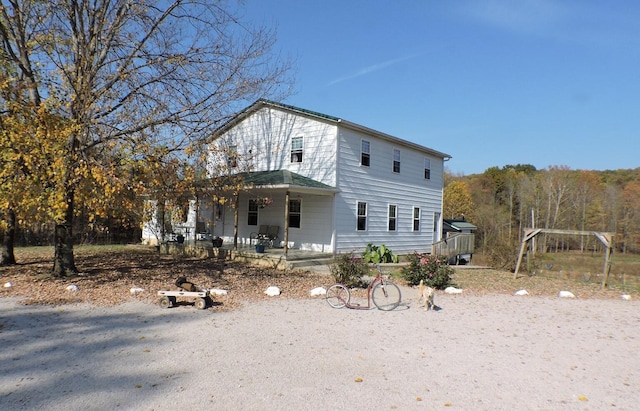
{"type": "Point", "coordinates": [396, 160]}
{"type": "Point", "coordinates": [362, 216]}
{"type": "Point", "coordinates": [393, 213]}
{"type": "Point", "coordinates": [365, 155]}
{"type": "Point", "coordinates": [232, 156]}
{"type": "Point", "coordinates": [296, 149]}
{"type": "Point", "coordinates": [427, 169]}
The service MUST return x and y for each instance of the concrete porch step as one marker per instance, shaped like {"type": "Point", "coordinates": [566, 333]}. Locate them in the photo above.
{"type": "Point", "coordinates": [309, 262]}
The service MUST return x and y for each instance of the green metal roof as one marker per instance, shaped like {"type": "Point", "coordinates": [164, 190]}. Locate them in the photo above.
{"type": "Point", "coordinates": [461, 225]}
{"type": "Point", "coordinates": [283, 179]}
{"type": "Point", "coordinates": [344, 123]}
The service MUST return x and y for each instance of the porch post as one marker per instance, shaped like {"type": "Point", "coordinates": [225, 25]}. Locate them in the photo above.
{"type": "Point", "coordinates": [286, 223]}
{"type": "Point", "coordinates": [235, 222]}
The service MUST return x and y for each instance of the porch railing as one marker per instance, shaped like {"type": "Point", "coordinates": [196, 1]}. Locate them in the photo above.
{"type": "Point", "coordinates": [455, 245]}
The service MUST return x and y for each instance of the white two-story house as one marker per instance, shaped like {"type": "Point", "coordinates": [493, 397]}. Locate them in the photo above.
{"type": "Point", "coordinates": [331, 186]}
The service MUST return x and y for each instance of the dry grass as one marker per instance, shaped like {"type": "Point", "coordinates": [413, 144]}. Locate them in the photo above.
{"type": "Point", "coordinates": [109, 273]}
{"type": "Point", "coordinates": [484, 281]}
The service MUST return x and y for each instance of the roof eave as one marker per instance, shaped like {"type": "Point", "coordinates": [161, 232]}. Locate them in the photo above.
{"type": "Point", "coordinates": [393, 139]}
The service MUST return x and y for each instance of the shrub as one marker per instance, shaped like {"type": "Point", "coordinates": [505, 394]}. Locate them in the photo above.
{"type": "Point", "coordinates": [433, 270]}
{"type": "Point", "coordinates": [348, 269]}
{"type": "Point", "coordinates": [374, 254]}
{"type": "Point", "coordinates": [502, 254]}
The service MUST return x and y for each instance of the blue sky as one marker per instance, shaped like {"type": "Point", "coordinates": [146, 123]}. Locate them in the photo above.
{"type": "Point", "coordinates": [492, 83]}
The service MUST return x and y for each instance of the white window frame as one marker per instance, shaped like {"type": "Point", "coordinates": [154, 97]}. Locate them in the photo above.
{"type": "Point", "coordinates": [365, 153]}
{"type": "Point", "coordinates": [396, 161]}
{"type": "Point", "coordinates": [392, 218]}
{"type": "Point", "coordinates": [252, 208]}
{"type": "Point", "coordinates": [294, 213]}
{"type": "Point", "coordinates": [232, 156]}
{"type": "Point", "coordinates": [416, 220]}
{"type": "Point", "coordinates": [362, 217]}
{"type": "Point", "coordinates": [427, 168]}
{"type": "Point", "coordinates": [297, 152]}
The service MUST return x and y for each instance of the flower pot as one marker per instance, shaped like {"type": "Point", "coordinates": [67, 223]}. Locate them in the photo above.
{"type": "Point", "coordinates": [259, 248]}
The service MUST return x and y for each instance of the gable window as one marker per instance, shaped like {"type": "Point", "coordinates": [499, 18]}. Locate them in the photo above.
{"type": "Point", "coordinates": [416, 218]}
{"type": "Point", "coordinates": [294, 213]}
{"type": "Point", "coordinates": [393, 213]}
{"type": "Point", "coordinates": [362, 216]}
{"type": "Point", "coordinates": [232, 156]}
{"type": "Point", "coordinates": [396, 160]}
{"type": "Point", "coordinates": [296, 149]}
{"type": "Point", "coordinates": [252, 213]}
{"type": "Point", "coordinates": [365, 155]}
{"type": "Point", "coordinates": [427, 169]}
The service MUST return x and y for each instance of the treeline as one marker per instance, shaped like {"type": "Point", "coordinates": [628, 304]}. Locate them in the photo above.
{"type": "Point", "coordinates": [503, 202]}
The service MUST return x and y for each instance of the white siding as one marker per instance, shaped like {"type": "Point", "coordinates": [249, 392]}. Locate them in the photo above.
{"type": "Point", "coordinates": [332, 156]}
{"type": "Point", "coordinates": [379, 186]}
{"type": "Point", "coordinates": [265, 139]}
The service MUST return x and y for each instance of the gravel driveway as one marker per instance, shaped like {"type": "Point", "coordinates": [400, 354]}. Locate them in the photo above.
{"type": "Point", "coordinates": [489, 352]}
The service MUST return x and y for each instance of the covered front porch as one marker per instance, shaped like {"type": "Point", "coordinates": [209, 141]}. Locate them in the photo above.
{"type": "Point", "coordinates": [297, 212]}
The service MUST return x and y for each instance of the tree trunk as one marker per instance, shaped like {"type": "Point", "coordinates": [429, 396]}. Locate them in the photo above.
{"type": "Point", "coordinates": [8, 238]}
{"type": "Point", "coordinates": [64, 262]}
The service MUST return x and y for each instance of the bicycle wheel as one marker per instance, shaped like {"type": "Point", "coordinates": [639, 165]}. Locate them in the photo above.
{"type": "Point", "coordinates": [386, 296]}
{"type": "Point", "coordinates": [338, 296]}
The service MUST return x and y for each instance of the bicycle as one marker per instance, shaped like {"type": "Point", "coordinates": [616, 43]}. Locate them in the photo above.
{"type": "Point", "coordinates": [384, 294]}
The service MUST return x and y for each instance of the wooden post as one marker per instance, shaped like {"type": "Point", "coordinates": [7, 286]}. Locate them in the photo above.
{"type": "Point", "coordinates": [235, 222]}
{"type": "Point", "coordinates": [528, 235]}
{"type": "Point", "coordinates": [286, 222]}
{"type": "Point", "coordinates": [606, 240]}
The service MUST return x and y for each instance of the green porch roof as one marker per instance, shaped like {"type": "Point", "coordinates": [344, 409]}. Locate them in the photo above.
{"type": "Point", "coordinates": [460, 224]}
{"type": "Point", "coordinates": [284, 179]}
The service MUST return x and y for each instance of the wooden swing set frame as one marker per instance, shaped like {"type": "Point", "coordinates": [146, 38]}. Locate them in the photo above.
{"type": "Point", "coordinates": [605, 238]}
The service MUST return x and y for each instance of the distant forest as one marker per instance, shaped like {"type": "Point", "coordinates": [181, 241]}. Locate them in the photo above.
{"type": "Point", "coordinates": [503, 202]}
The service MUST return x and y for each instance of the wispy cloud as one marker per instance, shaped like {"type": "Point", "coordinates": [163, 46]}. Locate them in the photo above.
{"type": "Point", "coordinates": [372, 68]}
{"type": "Point", "coordinates": [527, 16]}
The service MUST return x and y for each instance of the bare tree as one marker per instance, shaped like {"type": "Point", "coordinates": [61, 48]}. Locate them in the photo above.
{"type": "Point", "coordinates": [135, 78]}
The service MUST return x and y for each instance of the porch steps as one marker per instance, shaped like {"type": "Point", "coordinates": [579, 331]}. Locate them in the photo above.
{"type": "Point", "coordinates": [309, 263]}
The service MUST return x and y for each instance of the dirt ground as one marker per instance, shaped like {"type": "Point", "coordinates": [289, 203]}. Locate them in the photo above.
{"type": "Point", "coordinates": [107, 279]}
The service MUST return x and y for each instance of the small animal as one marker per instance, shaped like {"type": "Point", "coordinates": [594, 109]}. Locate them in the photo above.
{"type": "Point", "coordinates": [426, 294]}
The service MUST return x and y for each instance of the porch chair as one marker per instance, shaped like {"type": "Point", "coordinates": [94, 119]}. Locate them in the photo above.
{"type": "Point", "coordinates": [260, 235]}
{"type": "Point", "coordinates": [272, 234]}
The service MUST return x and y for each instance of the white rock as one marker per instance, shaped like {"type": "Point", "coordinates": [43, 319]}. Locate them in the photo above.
{"type": "Point", "coordinates": [566, 294]}
{"type": "Point", "coordinates": [318, 291]}
{"type": "Point", "coordinates": [218, 291]}
{"type": "Point", "coordinates": [136, 290]}
{"type": "Point", "coordinates": [8, 285]}
{"type": "Point", "coordinates": [453, 290]}
{"type": "Point", "coordinates": [522, 292]}
{"type": "Point", "coordinates": [626, 297]}
{"type": "Point", "coordinates": [72, 287]}
{"type": "Point", "coordinates": [272, 291]}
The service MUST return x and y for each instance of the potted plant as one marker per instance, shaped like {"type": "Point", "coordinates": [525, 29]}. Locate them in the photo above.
{"type": "Point", "coordinates": [217, 242]}
{"type": "Point", "coordinates": [263, 202]}
{"type": "Point", "coordinates": [180, 239]}
{"type": "Point", "coordinates": [260, 247]}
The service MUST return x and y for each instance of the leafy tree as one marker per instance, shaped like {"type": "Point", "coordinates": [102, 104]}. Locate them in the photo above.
{"type": "Point", "coordinates": [457, 201]}
{"type": "Point", "coordinates": [132, 83]}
